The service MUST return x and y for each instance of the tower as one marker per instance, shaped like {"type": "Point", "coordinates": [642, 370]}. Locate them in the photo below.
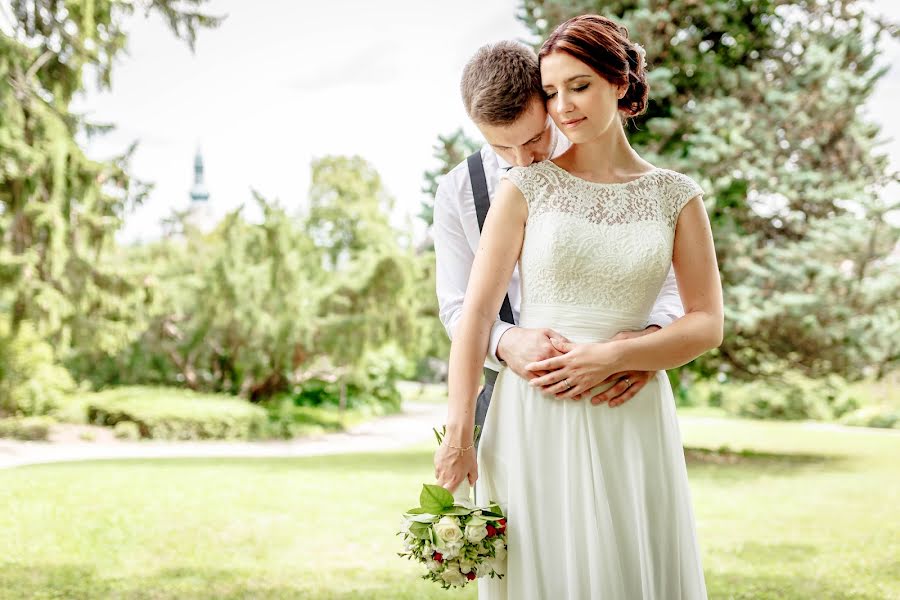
{"type": "Point", "coordinates": [200, 213]}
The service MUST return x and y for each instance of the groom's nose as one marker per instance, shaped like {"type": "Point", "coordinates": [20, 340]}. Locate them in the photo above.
{"type": "Point", "coordinates": [524, 157]}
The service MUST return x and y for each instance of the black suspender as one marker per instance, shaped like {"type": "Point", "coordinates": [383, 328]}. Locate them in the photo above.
{"type": "Point", "coordinates": [482, 205]}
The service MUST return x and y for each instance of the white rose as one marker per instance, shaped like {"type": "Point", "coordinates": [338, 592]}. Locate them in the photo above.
{"type": "Point", "coordinates": [451, 550]}
{"type": "Point", "coordinates": [499, 549]}
{"type": "Point", "coordinates": [498, 565]}
{"type": "Point", "coordinates": [466, 565]}
{"type": "Point", "coordinates": [475, 532]}
{"type": "Point", "coordinates": [447, 530]}
{"type": "Point", "coordinates": [454, 577]}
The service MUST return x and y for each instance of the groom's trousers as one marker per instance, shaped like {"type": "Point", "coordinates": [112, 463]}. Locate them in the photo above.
{"type": "Point", "coordinates": [484, 399]}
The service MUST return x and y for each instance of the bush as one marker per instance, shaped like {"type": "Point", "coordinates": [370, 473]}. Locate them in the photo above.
{"type": "Point", "coordinates": [373, 384]}
{"type": "Point", "coordinates": [26, 428]}
{"type": "Point", "coordinates": [127, 430]}
{"type": "Point", "coordinates": [878, 415]}
{"type": "Point", "coordinates": [31, 381]}
{"type": "Point", "coordinates": [172, 414]}
{"type": "Point", "coordinates": [791, 397]}
{"type": "Point", "coordinates": [287, 420]}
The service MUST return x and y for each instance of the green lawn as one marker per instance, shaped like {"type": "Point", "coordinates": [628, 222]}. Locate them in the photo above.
{"type": "Point", "coordinates": [786, 512]}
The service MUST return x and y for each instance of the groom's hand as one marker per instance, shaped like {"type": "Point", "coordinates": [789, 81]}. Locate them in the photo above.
{"type": "Point", "coordinates": [520, 346]}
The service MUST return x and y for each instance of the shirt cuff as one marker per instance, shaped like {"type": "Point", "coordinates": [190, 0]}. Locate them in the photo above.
{"type": "Point", "coordinates": [500, 327]}
{"type": "Point", "coordinates": [660, 320]}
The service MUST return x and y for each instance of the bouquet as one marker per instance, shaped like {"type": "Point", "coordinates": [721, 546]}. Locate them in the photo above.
{"type": "Point", "coordinates": [455, 540]}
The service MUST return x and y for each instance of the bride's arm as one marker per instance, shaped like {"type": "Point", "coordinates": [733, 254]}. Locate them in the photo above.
{"type": "Point", "coordinates": [699, 330]}
{"type": "Point", "coordinates": [498, 251]}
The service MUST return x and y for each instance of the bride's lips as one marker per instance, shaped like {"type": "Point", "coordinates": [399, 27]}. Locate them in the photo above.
{"type": "Point", "coordinates": [573, 122]}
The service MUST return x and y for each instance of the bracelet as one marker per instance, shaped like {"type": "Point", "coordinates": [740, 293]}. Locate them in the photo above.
{"type": "Point", "coordinates": [460, 448]}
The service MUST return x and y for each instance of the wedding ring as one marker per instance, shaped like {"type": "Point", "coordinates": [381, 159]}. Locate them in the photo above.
{"type": "Point", "coordinates": [627, 382]}
{"type": "Point", "coordinates": [566, 382]}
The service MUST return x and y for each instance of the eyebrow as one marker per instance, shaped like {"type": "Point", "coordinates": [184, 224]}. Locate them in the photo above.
{"type": "Point", "coordinates": [573, 78]}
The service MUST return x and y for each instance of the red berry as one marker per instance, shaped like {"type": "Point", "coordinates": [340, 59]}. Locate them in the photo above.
{"type": "Point", "coordinates": [491, 531]}
{"type": "Point", "coordinates": [437, 556]}
{"type": "Point", "coordinates": [470, 575]}
{"type": "Point", "coordinates": [501, 525]}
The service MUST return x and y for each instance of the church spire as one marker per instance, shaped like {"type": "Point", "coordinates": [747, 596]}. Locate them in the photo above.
{"type": "Point", "coordinates": [199, 192]}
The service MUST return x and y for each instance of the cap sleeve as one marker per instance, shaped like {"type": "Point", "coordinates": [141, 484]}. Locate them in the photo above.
{"type": "Point", "coordinates": [681, 191]}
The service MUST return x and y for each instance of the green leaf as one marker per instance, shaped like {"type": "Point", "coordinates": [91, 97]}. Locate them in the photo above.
{"type": "Point", "coordinates": [421, 530]}
{"type": "Point", "coordinates": [435, 499]}
{"type": "Point", "coordinates": [423, 518]}
{"type": "Point", "coordinates": [416, 511]}
{"type": "Point", "coordinates": [457, 511]}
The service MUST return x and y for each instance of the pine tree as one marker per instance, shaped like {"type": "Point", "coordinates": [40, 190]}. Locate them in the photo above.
{"type": "Point", "coordinates": [59, 210]}
{"type": "Point", "coordinates": [449, 150]}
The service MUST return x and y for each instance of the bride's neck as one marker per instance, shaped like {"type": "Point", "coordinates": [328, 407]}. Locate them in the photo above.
{"type": "Point", "coordinates": [606, 157]}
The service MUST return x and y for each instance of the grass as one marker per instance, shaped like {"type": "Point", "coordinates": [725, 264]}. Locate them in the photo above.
{"type": "Point", "coordinates": [785, 511]}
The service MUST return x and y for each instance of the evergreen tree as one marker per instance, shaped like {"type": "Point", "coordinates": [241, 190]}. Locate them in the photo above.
{"type": "Point", "coordinates": [450, 150]}
{"type": "Point", "coordinates": [59, 210]}
{"type": "Point", "coordinates": [760, 101]}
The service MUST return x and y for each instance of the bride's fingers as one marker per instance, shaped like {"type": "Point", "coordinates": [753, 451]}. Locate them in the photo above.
{"type": "Point", "coordinates": [548, 380]}
{"type": "Point", "coordinates": [549, 364]}
{"type": "Point", "coordinates": [558, 388]}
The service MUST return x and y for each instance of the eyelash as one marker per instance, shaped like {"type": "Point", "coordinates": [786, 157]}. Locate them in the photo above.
{"type": "Point", "coordinates": [578, 89]}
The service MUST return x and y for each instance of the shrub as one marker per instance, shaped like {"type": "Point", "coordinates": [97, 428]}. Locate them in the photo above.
{"type": "Point", "coordinates": [877, 415]}
{"type": "Point", "coordinates": [127, 430]}
{"type": "Point", "coordinates": [172, 414]}
{"type": "Point", "coordinates": [31, 381]}
{"type": "Point", "coordinates": [26, 428]}
{"type": "Point", "coordinates": [790, 397]}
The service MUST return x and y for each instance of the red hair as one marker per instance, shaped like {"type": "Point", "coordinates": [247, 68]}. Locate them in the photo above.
{"type": "Point", "coordinates": [603, 45]}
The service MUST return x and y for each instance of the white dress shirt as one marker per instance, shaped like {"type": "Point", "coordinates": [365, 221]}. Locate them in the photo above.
{"type": "Point", "coordinates": [456, 238]}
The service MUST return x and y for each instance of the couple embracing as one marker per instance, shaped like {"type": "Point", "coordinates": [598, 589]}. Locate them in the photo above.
{"type": "Point", "coordinates": [602, 270]}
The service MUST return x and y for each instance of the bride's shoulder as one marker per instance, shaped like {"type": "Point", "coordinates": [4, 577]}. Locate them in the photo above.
{"type": "Point", "coordinates": [678, 183]}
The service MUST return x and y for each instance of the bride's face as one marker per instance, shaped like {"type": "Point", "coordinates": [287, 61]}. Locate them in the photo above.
{"type": "Point", "coordinates": [582, 104]}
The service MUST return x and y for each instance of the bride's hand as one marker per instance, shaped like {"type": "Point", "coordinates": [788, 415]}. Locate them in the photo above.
{"type": "Point", "coordinates": [451, 466]}
{"type": "Point", "coordinates": [580, 369]}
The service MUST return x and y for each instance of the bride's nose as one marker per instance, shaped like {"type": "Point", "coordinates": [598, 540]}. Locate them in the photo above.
{"type": "Point", "coordinates": [563, 103]}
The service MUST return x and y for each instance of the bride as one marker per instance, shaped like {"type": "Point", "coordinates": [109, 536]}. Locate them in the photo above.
{"type": "Point", "coordinates": [596, 497]}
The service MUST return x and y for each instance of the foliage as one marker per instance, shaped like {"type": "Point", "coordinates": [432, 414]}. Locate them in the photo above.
{"type": "Point", "coordinates": [760, 101]}
{"type": "Point", "coordinates": [790, 396]}
{"type": "Point", "coordinates": [177, 414]}
{"type": "Point", "coordinates": [59, 210]}
{"type": "Point", "coordinates": [263, 309]}
{"type": "Point", "coordinates": [29, 429]}
{"type": "Point", "coordinates": [876, 415]}
{"type": "Point", "coordinates": [449, 151]}
{"type": "Point", "coordinates": [31, 381]}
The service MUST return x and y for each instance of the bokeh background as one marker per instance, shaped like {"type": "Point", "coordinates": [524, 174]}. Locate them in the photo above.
{"type": "Point", "coordinates": [215, 226]}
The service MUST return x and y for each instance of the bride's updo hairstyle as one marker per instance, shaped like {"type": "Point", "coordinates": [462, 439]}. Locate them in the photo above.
{"type": "Point", "coordinates": [603, 45]}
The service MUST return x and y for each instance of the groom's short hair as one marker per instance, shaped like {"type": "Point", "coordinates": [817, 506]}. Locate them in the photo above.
{"type": "Point", "coordinates": [499, 83]}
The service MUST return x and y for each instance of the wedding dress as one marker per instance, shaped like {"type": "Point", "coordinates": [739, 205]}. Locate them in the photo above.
{"type": "Point", "coordinates": [597, 498]}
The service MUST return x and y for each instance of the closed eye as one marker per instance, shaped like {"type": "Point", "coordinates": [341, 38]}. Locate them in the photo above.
{"type": "Point", "coordinates": [580, 88]}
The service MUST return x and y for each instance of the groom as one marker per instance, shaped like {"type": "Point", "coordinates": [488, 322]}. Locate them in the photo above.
{"type": "Point", "coordinates": [501, 90]}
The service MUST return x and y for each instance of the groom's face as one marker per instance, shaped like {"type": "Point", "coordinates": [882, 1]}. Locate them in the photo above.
{"type": "Point", "coordinates": [526, 140]}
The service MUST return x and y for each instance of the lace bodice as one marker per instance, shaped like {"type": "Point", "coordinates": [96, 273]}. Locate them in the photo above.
{"type": "Point", "coordinates": [605, 245]}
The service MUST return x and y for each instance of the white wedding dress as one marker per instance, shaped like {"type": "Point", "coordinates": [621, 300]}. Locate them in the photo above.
{"type": "Point", "coordinates": [597, 498]}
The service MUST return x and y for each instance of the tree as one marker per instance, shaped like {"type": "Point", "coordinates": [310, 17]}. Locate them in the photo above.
{"type": "Point", "coordinates": [450, 150]}
{"type": "Point", "coordinates": [759, 100]}
{"type": "Point", "coordinates": [59, 210]}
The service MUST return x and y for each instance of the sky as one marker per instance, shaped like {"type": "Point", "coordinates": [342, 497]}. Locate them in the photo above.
{"type": "Point", "coordinates": [281, 83]}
